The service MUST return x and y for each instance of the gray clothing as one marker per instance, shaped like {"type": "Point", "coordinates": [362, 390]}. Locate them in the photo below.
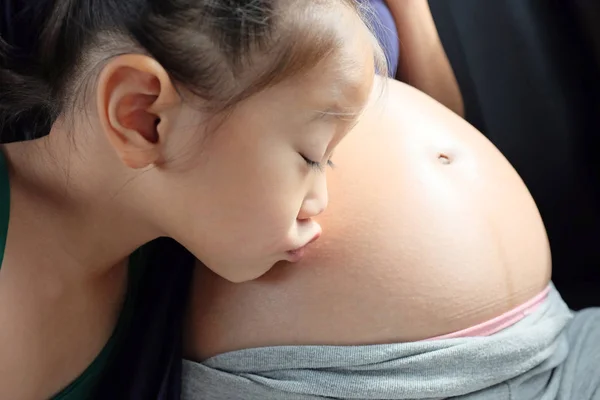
{"type": "Point", "coordinates": [552, 353]}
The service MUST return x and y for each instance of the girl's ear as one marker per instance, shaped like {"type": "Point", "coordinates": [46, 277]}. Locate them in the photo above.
{"type": "Point", "coordinates": [135, 96]}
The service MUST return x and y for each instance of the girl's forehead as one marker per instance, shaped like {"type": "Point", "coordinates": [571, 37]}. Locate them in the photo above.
{"type": "Point", "coordinates": [349, 77]}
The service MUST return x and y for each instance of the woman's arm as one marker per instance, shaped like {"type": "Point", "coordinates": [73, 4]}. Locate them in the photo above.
{"type": "Point", "coordinates": [423, 61]}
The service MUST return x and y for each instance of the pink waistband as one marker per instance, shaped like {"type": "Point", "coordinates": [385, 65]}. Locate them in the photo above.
{"type": "Point", "coordinates": [501, 322]}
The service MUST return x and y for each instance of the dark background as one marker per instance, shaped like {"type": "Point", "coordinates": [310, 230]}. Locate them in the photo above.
{"type": "Point", "coordinates": [529, 71]}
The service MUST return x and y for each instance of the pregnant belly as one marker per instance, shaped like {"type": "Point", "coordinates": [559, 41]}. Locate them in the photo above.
{"type": "Point", "coordinates": [429, 231]}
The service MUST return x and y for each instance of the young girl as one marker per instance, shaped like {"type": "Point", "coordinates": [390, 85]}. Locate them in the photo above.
{"type": "Point", "coordinates": [206, 121]}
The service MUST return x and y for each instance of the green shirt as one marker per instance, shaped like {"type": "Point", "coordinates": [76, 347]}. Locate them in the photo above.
{"type": "Point", "coordinates": [82, 387]}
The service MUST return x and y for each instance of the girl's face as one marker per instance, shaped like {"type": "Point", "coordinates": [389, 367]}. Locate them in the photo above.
{"type": "Point", "coordinates": [241, 194]}
{"type": "Point", "coordinates": [249, 199]}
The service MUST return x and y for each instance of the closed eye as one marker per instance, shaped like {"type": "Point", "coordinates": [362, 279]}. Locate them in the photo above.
{"type": "Point", "coordinates": [317, 166]}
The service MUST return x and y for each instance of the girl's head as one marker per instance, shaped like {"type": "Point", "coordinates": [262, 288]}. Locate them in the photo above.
{"type": "Point", "coordinates": [209, 120]}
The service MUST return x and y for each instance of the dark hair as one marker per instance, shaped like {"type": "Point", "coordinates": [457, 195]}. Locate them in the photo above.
{"type": "Point", "coordinates": [220, 50]}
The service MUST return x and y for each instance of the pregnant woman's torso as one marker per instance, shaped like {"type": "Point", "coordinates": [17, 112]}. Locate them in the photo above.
{"type": "Point", "coordinates": [429, 230]}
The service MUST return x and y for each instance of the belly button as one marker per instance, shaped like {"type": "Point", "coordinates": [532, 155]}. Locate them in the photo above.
{"type": "Point", "coordinates": [444, 159]}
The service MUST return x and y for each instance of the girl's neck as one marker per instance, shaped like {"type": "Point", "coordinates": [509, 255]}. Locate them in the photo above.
{"type": "Point", "coordinates": [72, 207]}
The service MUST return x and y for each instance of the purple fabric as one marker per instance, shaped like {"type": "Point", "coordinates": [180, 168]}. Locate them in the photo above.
{"type": "Point", "coordinates": [386, 32]}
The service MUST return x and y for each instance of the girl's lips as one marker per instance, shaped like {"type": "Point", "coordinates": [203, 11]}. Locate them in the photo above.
{"type": "Point", "coordinates": [298, 254]}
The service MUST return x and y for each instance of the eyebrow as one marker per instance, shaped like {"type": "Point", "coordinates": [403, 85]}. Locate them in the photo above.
{"type": "Point", "coordinates": [338, 113]}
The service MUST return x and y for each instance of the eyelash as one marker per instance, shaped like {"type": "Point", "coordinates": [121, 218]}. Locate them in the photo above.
{"type": "Point", "coordinates": [316, 165]}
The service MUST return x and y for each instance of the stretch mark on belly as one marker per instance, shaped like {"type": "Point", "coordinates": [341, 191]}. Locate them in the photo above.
{"type": "Point", "coordinates": [501, 322]}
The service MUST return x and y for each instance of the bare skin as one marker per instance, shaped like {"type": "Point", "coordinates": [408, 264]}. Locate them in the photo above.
{"type": "Point", "coordinates": [135, 166]}
{"type": "Point", "coordinates": [429, 230]}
